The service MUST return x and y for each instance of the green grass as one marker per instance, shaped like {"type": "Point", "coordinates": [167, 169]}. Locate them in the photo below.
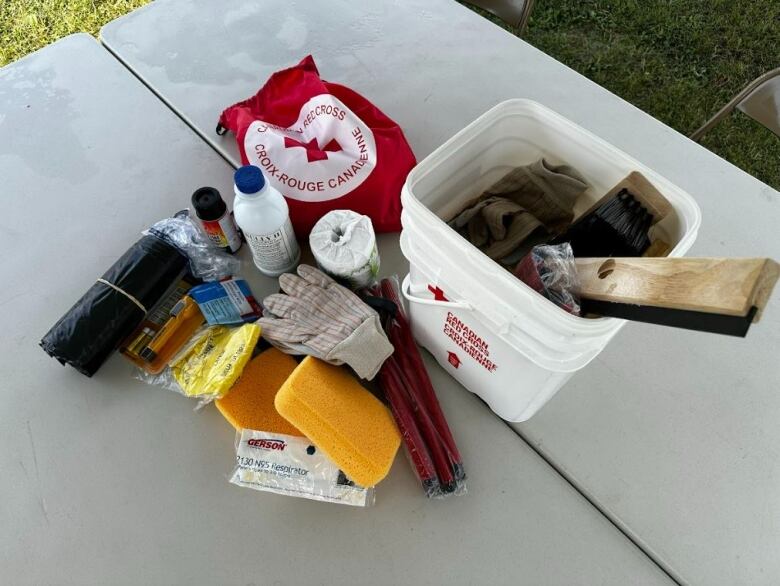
{"type": "Point", "coordinates": [678, 60]}
{"type": "Point", "coordinates": [27, 25]}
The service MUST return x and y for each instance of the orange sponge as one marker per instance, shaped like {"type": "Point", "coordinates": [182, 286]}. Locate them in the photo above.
{"type": "Point", "coordinates": [250, 402]}
{"type": "Point", "coordinates": [351, 426]}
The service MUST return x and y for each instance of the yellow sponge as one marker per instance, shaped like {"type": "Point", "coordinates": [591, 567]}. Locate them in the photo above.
{"type": "Point", "coordinates": [351, 426]}
{"type": "Point", "coordinates": [250, 402]}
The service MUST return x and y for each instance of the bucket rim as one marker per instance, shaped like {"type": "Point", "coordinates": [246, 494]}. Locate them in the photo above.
{"type": "Point", "coordinates": [413, 209]}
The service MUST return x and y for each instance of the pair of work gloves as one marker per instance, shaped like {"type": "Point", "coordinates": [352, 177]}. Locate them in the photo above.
{"type": "Point", "coordinates": [320, 318]}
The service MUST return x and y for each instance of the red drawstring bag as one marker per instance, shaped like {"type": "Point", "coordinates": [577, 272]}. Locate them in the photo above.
{"type": "Point", "coordinates": [323, 146]}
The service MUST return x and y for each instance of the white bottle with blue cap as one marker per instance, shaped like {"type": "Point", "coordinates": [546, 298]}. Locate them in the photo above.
{"type": "Point", "coordinates": [262, 214]}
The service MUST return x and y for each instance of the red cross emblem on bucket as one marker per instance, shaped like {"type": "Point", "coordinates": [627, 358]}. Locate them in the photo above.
{"type": "Point", "coordinates": [438, 294]}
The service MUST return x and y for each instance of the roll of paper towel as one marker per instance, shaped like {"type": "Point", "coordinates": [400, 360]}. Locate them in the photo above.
{"type": "Point", "coordinates": [344, 245]}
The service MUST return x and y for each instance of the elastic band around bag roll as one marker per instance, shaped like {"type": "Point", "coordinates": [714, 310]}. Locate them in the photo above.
{"type": "Point", "coordinates": [125, 293]}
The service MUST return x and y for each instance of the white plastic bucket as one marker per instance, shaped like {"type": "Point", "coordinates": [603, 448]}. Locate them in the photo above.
{"type": "Point", "coordinates": [496, 336]}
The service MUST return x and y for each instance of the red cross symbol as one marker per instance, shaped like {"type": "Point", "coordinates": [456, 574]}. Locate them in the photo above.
{"type": "Point", "coordinates": [313, 151]}
{"type": "Point", "coordinates": [438, 294]}
{"type": "Point", "coordinates": [453, 359]}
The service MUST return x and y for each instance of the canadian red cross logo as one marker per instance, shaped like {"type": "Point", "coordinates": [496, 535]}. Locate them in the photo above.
{"type": "Point", "coordinates": [313, 151]}
{"type": "Point", "coordinates": [453, 359]}
{"type": "Point", "coordinates": [340, 151]}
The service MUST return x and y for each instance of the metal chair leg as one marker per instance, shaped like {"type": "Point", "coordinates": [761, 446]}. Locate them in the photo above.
{"type": "Point", "coordinates": [733, 103]}
{"type": "Point", "coordinates": [526, 15]}
{"type": "Point", "coordinates": [507, 10]}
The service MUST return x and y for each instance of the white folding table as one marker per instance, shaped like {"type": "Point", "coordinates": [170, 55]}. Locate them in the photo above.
{"type": "Point", "coordinates": [106, 480]}
{"type": "Point", "coordinates": [673, 434]}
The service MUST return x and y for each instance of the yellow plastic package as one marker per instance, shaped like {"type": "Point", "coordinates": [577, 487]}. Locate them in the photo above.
{"type": "Point", "coordinates": [215, 361]}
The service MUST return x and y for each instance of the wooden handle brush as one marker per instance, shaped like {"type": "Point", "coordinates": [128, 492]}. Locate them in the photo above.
{"type": "Point", "coordinates": [619, 223]}
{"type": "Point", "coordinates": [720, 295]}
{"type": "Point", "coordinates": [642, 190]}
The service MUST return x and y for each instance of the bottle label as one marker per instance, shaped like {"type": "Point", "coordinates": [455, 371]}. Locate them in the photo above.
{"type": "Point", "coordinates": [223, 232]}
{"type": "Point", "coordinates": [276, 250]}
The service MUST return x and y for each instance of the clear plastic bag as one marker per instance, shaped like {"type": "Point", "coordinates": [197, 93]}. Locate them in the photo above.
{"type": "Point", "coordinates": [551, 271]}
{"type": "Point", "coordinates": [206, 261]}
{"type": "Point", "coordinates": [209, 364]}
{"type": "Point", "coordinates": [293, 466]}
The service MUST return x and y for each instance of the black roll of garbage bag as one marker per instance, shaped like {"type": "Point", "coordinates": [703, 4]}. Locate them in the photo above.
{"type": "Point", "coordinates": [109, 311]}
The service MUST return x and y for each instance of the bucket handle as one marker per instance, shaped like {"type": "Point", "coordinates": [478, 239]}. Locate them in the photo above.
{"type": "Point", "coordinates": [405, 289]}
{"type": "Point", "coordinates": [541, 359]}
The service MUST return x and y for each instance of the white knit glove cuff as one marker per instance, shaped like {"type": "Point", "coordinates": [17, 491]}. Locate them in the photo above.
{"type": "Point", "coordinates": [364, 350]}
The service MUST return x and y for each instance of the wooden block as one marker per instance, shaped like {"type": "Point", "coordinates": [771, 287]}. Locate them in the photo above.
{"type": "Point", "coordinates": [658, 247]}
{"type": "Point", "coordinates": [726, 286]}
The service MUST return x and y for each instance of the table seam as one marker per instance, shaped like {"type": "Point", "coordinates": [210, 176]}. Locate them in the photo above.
{"type": "Point", "coordinates": [208, 140]}
{"type": "Point", "coordinates": [622, 527]}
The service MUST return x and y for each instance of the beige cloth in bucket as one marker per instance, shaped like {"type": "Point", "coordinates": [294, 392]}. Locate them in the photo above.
{"type": "Point", "coordinates": [537, 198]}
{"type": "Point", "coordinates": [496, 226]}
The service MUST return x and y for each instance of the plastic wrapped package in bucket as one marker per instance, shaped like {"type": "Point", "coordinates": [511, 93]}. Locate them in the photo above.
{"type": "Point", "coordinates": [500, 339]}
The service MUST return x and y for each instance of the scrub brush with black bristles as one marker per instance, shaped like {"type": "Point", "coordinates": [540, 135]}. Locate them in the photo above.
{"type": "Point", "coordinates": [619, 227]}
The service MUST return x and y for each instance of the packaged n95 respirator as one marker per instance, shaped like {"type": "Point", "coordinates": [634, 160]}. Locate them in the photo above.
{"type": "Point", "coordinates": [293, 466]}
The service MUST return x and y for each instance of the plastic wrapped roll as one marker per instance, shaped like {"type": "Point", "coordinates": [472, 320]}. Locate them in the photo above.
{"type": "Point", "coordinates": [344, 245]}
{"type": "Point", "coordinates": [109, 311]}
